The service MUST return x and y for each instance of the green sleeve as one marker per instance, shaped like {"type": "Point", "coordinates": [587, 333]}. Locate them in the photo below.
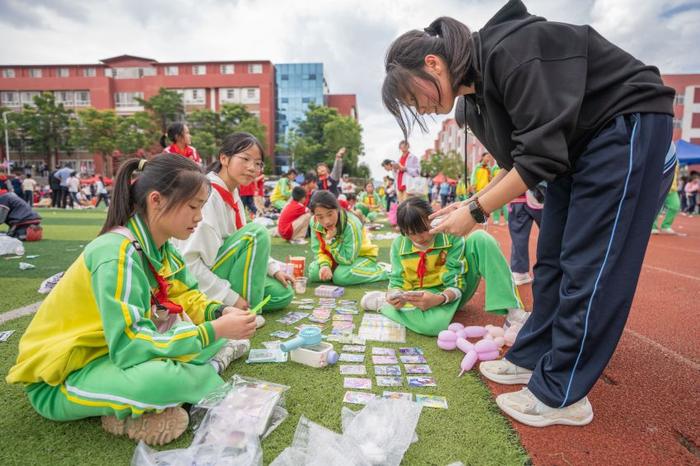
{"type": "Point", "coordinates": [323, 259]}
{"type": "Point", "coordinates": [286, 191]}
{"type": "Point", "coordinates": [472, 179]}
{"type": "Point", "coordinates": [346, 249]}
{"type": "Point", "coordinates": [456, 265]}
{"type": "Point", "coordinates": [396, 278]}
{"type": "Point", "coordinates": [122, 293]}
{"type": "Point", "coordinates": [185, 291]}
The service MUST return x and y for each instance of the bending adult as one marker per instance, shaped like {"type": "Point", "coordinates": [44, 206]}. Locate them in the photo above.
{"type": "Point", "coordinates": [555, 102]}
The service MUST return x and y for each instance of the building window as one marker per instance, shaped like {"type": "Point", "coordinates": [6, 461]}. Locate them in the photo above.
{"type": "Point", "coordinates": [679, 99]}
{"type": "Point", "coordinates": [64, 97]}
{"type": "Point", "coordinates": [171, 70]}
{"type": "Point", "coordinates": [250, 95]}
{"type": "Point", "coordinates": [27, 98]}
{"type": "Point", "coordinates": [255, 68]}
{"type": "Point", "coordinates": [199, 70]}
{"type": "Point", "coordinates": [82, 98]}
{"type": "Point", "coordinates": [127, 99]}
{"type": "Point", "coordinates": [312, 77]}
{"type": "Point", "coordinates": [284, 77]}
{"type": "Point", "coordinates": [285, 100]}
{"type": "Point", "coordinates": [305, 100]}
{"type": "Point", "coordinates": [194, 96]}
{"type": "Point", "coordinates": [8, 73]}
{"type": "Point", "coordinates": [63, 72]}
{"type": "Point", "coordinates": [226, 69]}
{"type": "Point", "coordinates": [89, 72]}
{"type": "Point", "coordinates": [230, 94]}
{"type": "Point", "coordinates": [35, 73]}
{"type": "Point", "coordinates": [9, 99]}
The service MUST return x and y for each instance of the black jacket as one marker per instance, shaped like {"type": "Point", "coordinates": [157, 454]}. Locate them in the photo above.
{"type": "Point", "coordinates": [544, 89]}
{"type": "Point", "coordinates": [16, 209]}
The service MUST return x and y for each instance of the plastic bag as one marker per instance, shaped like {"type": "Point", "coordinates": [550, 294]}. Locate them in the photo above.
{"type": "Point", "coordinates": [10, 246]}
{"type": "Point", "coordinates": [244, 451]}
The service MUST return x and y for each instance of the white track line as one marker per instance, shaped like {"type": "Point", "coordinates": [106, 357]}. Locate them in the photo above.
{"type": "Point", "coordinates": [667, 351]}
{"type": "Point", "coordinates": [692, 277]}
{"type": "Point", "coordinates": [19, 312]}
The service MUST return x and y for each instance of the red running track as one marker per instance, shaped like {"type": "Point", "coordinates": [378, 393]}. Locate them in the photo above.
{"type": "Point", "coordinates": [647, 403]}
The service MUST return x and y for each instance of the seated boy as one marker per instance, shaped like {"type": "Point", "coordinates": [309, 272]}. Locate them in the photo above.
{"type": "Point", "coordinates": [293, 223]}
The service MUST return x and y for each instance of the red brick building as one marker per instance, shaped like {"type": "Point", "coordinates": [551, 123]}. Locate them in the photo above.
{"type": "Point", "coordinates": [686, 121]}
{"type": "Point", "coordinates": [346, 104]}
{"type": "Point", "coordinates": [116, 82]}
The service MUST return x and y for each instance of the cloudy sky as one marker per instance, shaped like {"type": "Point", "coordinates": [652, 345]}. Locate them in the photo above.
{"type": "Point", "coordinates": [349, 37]}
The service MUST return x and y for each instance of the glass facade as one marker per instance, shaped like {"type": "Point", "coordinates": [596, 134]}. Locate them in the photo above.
{"type": "Point", "coordinates": [297, 85]}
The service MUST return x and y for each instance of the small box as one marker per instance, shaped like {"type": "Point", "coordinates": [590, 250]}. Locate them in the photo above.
{"type": "Point", "coordinates": [329, 291]}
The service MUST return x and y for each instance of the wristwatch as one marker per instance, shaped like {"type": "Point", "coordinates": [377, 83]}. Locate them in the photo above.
{"type": "Point", "coordinates": [477, 212]}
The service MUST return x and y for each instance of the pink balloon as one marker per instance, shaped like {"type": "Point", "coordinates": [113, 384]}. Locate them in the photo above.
{"type": "Point", "coordinates": [489, 356]}
{"type": "Point", "coordinates": [446, 345]}
{"type": "Point", "coordinates": [509, 339]}
{"type": "Point", "coordinates": [488, 336]}
{"type": "Point", "coordinates": [496, 332]}
{"type": "Point", "coordinates": [474, 331]}
{"type": "Point", "coordinates": [468, 361]}
{"type": "Point", "coordinates": [455, 327]}
{"type": "Point", "coordinates": [500, 341]}
{"type": "Point", "coordinates": [464, 345]}
{"type": "Point", "coordinates": [461, 334]}
{"type": "Point", "coordinates": [485, 346]}
{"type": "Point", "coordinates": [447, 335]}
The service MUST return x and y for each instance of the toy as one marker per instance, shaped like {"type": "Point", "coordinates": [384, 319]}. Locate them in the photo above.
{"type": "Point", "coordinates": [329, 291]}
{"type": "Point", "coordinates": [447, 340]}
{"type": "Point", "coordinates": [308, 349]}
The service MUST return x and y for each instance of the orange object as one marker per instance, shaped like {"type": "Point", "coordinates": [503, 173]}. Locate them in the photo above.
{"type": "Point", "coordinates": [298, 265]}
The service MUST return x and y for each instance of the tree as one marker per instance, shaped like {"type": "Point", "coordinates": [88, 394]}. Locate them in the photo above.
{"type": "Point", "coordinates": [98, 132]}
{"type": "Point", "coordinates": [166, 107]}
{"type": "Point", "coordinates": [450, 164]}
{"type": "Point", "coordinates": [135, 133]}
{"type": "Point", "coordinates": [319, 136]}
{"type": "Point", "coordinates": [47, 125]}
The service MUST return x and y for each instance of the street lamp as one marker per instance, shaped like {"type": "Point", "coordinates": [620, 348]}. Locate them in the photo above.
{"type": "Point", "coordinates": [7, 142]}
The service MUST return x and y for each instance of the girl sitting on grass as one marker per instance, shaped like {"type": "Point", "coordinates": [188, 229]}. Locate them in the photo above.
{"type": "Point", "coordinates": [126, 334]}
{"type": "Point", "coordinates": [344, 253]}
{"type": "Point", "coordinates": [445, 270]}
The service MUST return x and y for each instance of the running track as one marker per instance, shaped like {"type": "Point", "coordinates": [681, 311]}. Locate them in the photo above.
{"type": "Point", "coordinates": [647, 403]}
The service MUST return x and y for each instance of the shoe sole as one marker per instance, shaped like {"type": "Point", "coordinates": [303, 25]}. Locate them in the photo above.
{"type": "Point", "coordinates": [521, 379]}
{"type": "Point", "coordinates": [537, 421]}
{"type": "Point", "coordinates": [158, 429]}
{"type": "Point", "coordinates": [113, 425]}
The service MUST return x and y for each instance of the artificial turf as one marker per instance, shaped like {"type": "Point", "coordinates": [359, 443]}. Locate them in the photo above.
{"type": "Point", "coordinates": [471, 430]}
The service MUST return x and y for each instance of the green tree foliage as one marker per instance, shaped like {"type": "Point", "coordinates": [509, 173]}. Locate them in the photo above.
{"type": "Point", "coordinates": [97, 131]}
{"type": "Point", "coordinates": [450, 164]}
{"type": "Point", "coordinates": [166, 107]}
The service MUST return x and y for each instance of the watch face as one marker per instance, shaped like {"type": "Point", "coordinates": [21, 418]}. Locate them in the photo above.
{"type": "Point", "coordinates": [476, 212]}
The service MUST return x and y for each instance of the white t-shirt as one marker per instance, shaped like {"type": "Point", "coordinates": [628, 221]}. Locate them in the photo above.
{"type": "Point", "coordinates": [28, 184]}
{"type": "Point", "coordinates": [73, 184]}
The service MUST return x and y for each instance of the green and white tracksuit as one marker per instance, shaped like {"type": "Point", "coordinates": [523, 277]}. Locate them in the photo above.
{"type": "Point", "coordinates": [281, 193]}
{"type": "Point", "coordinates": [369, 205]}
{"type": "Point", "coordinates": [451, 263]}
{"type": "Point", "coordinates": [228, 262]}
{"type": "Point", "coordinates": [92, 349]}
{"type": "Point", "coordinates": [350, 254]}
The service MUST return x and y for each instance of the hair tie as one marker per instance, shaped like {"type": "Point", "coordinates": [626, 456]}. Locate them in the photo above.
{"type": "Point", "coordinates": [142, 162]}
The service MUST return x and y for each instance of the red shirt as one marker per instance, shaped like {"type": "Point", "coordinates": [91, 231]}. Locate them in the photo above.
{"type": "Point", "coordinates": [260, 187]}
{"type": "Point", "coordinates": [292, 211]}
{"type": "Point", "coordinates": [247, 190]}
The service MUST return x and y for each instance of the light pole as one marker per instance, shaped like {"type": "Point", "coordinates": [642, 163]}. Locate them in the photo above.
{"type": "Point", "coordinates": [7, 142]}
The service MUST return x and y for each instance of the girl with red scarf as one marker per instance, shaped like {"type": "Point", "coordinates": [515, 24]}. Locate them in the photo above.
{"type": "Point", "coordinates": [179, 136]}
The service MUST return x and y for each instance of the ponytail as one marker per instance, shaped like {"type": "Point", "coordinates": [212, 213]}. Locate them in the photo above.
{"type": "Point", "coordinates": [235, 144]}
{"type": "Point", "coordinates": [174, 130]}
{"type": "Point", "coordinates": [445, 37]}
{"type": "Point", "coordinates": [177, 179]}
{"type": "Point", "coordinates": [163, 141]}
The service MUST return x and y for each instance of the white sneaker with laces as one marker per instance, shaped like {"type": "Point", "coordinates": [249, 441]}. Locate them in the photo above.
{"type": "Point", "coordinates": [373, 300]}
{"type": "Point", "coordinates": [515, 316]}
{"type": "Point", "coordinates": [504, 372]}
{"type": "Point", "coordinates": [521, 278]}
{"type": "Point", "coordinates": [232, 350]}
{"type": "Point", "coordinates": [524, 407]}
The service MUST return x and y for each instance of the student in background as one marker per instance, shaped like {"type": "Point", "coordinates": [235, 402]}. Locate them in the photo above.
{"type": "Point", "coordinates": [178, 135]}
{"type": "Point", "coordinates": [283, 190]}
{"type": "Point", "coordinates": [328, 180]}
{"type": "Point", "coordinates": [293, 223]}
{"type": "Point", "coordinates": [28, 188]}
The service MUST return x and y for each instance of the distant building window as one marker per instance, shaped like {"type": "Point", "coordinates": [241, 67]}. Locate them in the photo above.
{"type": "Point", "coordinates": [285, 100]}
{"type": "Point", "coordinates": [679, 99]}
{"type": "Point", "coordinates": [312, 77]}
{"type": "Point", "coordinates": [127, 99]}
{"type": "Point", "coordinates": [82, 98]}
{"type": "Point", "coordinates": [172, 70]}
{"type": "Point", "coordinates": [63, 72]}
{"type": "Point", "coordinates": [305, 100]}
{"type": "Point", "coordinates": [8, 73]}
{"type": "Point", "coordinates": [9, 99]}
{"type": "Point", "coordinates": [255, 68]}
{"type": "Point", "coordinates": [194, 96]}
{"type": "Point", "coordinates": [284, 77]}
{"type": "Point", "coordinates": [27, 98]}
{"type": "Point", "coordinates": [226, 69]}
{"type": "Point", "coordinates": [89, 72]}
{"type": "Point", "coordinates": [250, 95]}
{"type": "Point", "coordinates": [35, 72]}
{"type": "Point", "coordinates": [199, 70]}
{"type": "Point", "coordinates": [230, 94]}
{"type": "Point", "coordinates": [64, 97]}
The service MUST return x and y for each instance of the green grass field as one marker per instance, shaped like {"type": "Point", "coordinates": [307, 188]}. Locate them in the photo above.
{"type": "Point", "coordinates": [472, 430]}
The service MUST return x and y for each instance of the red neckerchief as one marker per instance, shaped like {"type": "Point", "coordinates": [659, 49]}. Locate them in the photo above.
{"type": "Point", "coordinates": [324, 249]}
{"type": "Point", "coordinates": [324, 181]}
{"type": "Point", "coordinates": [161, 296]}
{"type": "Point", "coordinates": [399, 177]}
{"type": "Point", "coordinates": [308, 199]}
{"type": "Point", "coordinates": [188, 152]}
{"type": "Point", "coordinates": [420, 271]}
{"type": "Point", "coordinates": [370, 199]}
{"type": "Point", "coordinates": [3, 191]}
{"type": "Point", "coordinates": [228, 199]}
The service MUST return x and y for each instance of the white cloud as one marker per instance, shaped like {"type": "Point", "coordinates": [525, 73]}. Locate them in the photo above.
{"type": "Point", "coordinates": [349, 37]}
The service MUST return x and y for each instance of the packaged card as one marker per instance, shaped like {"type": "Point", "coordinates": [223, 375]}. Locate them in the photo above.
{"type": "Point", "coordinates": [387, 370]}
{"type": "Point", "coordinates": [350, 357]}
{"type": "Point", "coordinates": [281, 334]}
{"type": "Point", "coordinates": [414, 359]}
{"type": "Point", "coordinates": [398, 396]}
{"type": "Point", "coordinates": [417, 369]}
{"type": "Point", "coordinates": [418, 381]}
{"type": "Point", "coordinates": [358, 383]}
{"type": "Point", "coordinates": [383, 352]}
{"type": "Point", "coordinates": [352, 369]}
{"type": "Point", "coordinates": [360, 398]}
{"type": "Point", "coordinates": [384, 381]}
{"type": "Point", "coordinates": [273, 345]}
{"type": "Point", "coordinates": [347, 310]}
{"type": "Point", "coordinates": [384, 360]}
{"type": "Point", "coordinates": [266, 355]}
{"type": "Point", "coordinates": [354, 348]}
{"type": "Point", "coordinates": [412, 351]}
{"type": "Point", "coordinates": [432, 401]}
{"type": "Point", "coordinates": [345, 317]}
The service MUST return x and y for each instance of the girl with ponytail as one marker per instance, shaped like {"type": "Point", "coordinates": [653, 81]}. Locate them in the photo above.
{"type": "Point", "coordinates": [178, 136]}
{"type": "Point", "coordinates": [559, 103]}
{"type": "Point", "coordinates": [126, 334]}
{"type": "Point", "coordinates": [229, 257]}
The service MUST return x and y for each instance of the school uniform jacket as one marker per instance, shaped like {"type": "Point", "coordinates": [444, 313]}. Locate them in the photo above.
{"type": "Point", "coordinates": [103, 305]}
{"type": "Point", "coordinates": [343, 249]}
{"type": "Point", "coordinates": [201, 249]}
{"type": "Point", "coordinates": [282, 191]}
{"type": "Point", "coordinates": [369, 200]}
{"type": "Point", "coordinates": [445, 265]}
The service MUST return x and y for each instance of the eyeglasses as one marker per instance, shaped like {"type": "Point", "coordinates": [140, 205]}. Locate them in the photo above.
{"type": "Point", "coordinates": [248, 161]}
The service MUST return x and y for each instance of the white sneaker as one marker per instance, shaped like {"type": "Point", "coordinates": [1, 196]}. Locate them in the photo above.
{"type": "Point", "coordinates": [232, 350]}
{"type": "Point", "coordinates": [373, 300]}
{"type": "Point", "coordinates": [515, 316]}
{"type": "Point", "coordinates": [505, 372]}
{"type": "Point", "coordinates": [524, 407]}
{"type": "Point", "coordinates": [654, 231]}
{"type": "Point", "coordinates": [259, 321]}
{"type": "Point", "coordinates": [298, 241]}
{"type": "Point", "coordinates": [521, 278]}
{"type": "Point", "coordinates": [669, 231]}
{"type": "Point", "coordinates": [496, 222]}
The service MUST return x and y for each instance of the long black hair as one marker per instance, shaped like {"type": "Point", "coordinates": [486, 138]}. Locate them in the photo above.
{"type": "Point", "coordinates": [412, 216]}
{"type": "Point", "coordinates": [174, 130]}
{"type": "Point", "coordinates": [327, 200]}
{"type": "Point", "coordinates": [445, 37]}
{"type": "Point", "coordinates": [177, 179]}
{"type": "Point", "coordinates": [235, 144]}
